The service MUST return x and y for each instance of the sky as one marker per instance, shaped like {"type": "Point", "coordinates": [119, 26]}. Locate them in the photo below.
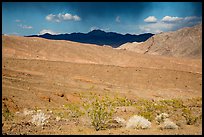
{"type": "Point", "coordinates": [31, 18]}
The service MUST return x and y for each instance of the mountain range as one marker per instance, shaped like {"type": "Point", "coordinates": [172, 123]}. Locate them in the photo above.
{"type": "Point", "coordinates": [98, 37]}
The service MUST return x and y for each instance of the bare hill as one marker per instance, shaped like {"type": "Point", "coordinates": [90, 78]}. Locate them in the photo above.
{"type": "Point", "coordinates": [67, 51]}
{"type": "Point", "coordinates": [185, 42]}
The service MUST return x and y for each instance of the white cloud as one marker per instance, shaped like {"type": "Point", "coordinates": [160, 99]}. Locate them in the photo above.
{"type": "Point", "coordinates": [117, 19]}
{"type": "Point", "coordinates": [50, 17]}
{"type": "Point", "coordinates": [168, 23]}
{"type": "Point", "coordinates": [47, 31]}
{"type": "Point", "coordinates": [169, 19]}
{"type": "Point", "coordinates": [103, 29]}
{"type": "Point", "coordinates": [192, 18]}
{"type": "Point", "coordinates": [151, 19]}
{"type": "Point", "coordinates": [62, 17]}
{"type": "Point", "coordinates": [25, 26]}
{"type": "Point", "coordinates": [155, 28]}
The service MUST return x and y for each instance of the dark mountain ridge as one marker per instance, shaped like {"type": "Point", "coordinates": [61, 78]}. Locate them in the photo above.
{"type": "Point", "coordinates": [98, 37]}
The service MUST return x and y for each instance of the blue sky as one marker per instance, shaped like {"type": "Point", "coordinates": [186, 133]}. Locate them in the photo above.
{"type": "Point", "coordinates": [28, 18]}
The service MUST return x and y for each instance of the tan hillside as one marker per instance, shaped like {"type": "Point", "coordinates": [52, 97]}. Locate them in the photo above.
{"type": "Point", "coordinates": [67, 51]}
{"type": "Point", "coordinates": [185, 42]}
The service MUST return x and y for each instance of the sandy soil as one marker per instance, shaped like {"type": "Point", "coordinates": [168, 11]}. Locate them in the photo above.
{"type": "Point", "coordinates": [35, 76]}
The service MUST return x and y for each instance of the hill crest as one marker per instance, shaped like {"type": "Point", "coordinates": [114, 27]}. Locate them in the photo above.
{"type": "Point", "coordinates": [98, 37]}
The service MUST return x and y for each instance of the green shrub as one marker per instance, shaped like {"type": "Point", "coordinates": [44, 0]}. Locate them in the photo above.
{"type": "Point", "coordinates": [7, 114]}
{"type": "Point", "coordinates": [122, 101]}
{"type": "Point", "coordinates": [74, 110]}
{"type": "Point", "coordinates": [100, 112]}
{"type": "Point", "coordinates": [146, 109]}
{"type": "Point", "coordinates": [190, 119]}
{"type": "Point", "coordinates": [150, 108]}
{"type": "Point", "coordinates": [175, 103]}
{"type": "Point", "coordinates": [147, 114]}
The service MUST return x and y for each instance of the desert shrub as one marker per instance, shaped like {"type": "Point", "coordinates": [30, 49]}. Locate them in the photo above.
{"type": "Point", "coordinates": [74, 110]}
{"type": "Point", "coordinates": [176, 108]}
{"type": "Point", "coordinates": [100, 112]}
{"type": "Point", "coordinates": [168, 124]}
{"type": "Point", "coordinates": [146, 114]}
{"type": "Point", "coordinates": [138, 122]}
{"type": "Point", "coordinates": [7, 113]}
{"type": "Point", "coordinates": [120, 121]}
{"type": "Point", "coordinates": [195, 102]}
{"type": "Point", "coordinates": [190, 118]}
{"type": "Point", "coordinates": [39, 118]}
{"type": "Point", "coordinates": [160, 108]}
{"type": "Point", "coordinates": [122, 101]}
{"type": "Point", "coordinates": [62, 113]}
{"type": "Point", "coordinates": [172, 104]}
{"type": "Point", "coordinates": [146, 109]}
{"type": "Point", "coordinates": [161, 117]}
{"type": "Point", "coordinates": [150, 108]}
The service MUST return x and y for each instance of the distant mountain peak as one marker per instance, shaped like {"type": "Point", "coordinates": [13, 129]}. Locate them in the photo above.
{"type": "Point", "coordinates": [98, 31]}
{"type": "Point", "coordinates": [98, 37]}
{"type": "Point", "coordinates": [47, 34]}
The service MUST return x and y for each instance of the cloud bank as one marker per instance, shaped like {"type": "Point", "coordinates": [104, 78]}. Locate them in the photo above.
{"type": "Point", "coordinates": [168, 23]}
{"type": "Point", "coordinates": [170, 19]}
{"type": "Point", "coordinates": [96, 28]}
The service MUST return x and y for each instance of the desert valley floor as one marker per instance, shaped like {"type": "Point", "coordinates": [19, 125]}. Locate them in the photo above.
{"type": "Point", "coordinates": [50, 76]}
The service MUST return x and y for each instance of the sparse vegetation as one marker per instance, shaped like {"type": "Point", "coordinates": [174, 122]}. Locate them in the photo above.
{"type": "Point", "coordinates": [147, 108]}
{"type": "Point", "coordinates": [161, 117]}
{"type": "Point", "coordinates": [190, 118]}
{"type": "Point", "coordinates": [7, 113]}
{"type": "Point", "coordinates": [138, 122]}
{"type": "Point", "coordinates": [39, 118]}
{"type": "Point", "coordinates": [176, 108]}
{"type": "Point", "coordinates": [122, 101]}
{"type": "Point", "coordinates": [168, 124]}
{"type": "Point", "coordinates": [74, 110]}
{"type": "Point", "coordinates": [100, 112]}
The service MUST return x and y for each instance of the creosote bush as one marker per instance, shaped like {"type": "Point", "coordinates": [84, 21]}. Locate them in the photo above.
{"type": "Point", "coordinates": [7, 113]}
{"type": "Point", "coordinates": [122, 101]}
{"type": "Point", "coordinates": [190, 118]}
{"type": "Point", "coordinates": [147, 108]}
{"type": "Point", "coordinates": [100, 112]}
{"type": "Point", "coordinates": [74, 110]}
